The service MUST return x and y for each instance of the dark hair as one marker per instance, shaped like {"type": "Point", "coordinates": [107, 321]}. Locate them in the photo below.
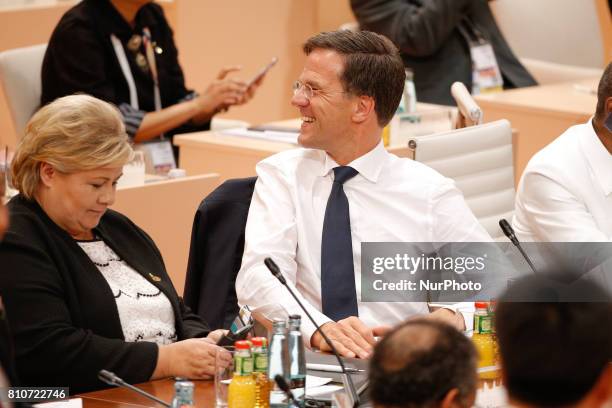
{"type": "Point", "coordinates": [604, 91]}
{"type": "Point", "coordinates": [372, 67]}
{"type": "Point", "coordinates": [419, 362]}
{"type": "Point", "coordinates": [553, 353]}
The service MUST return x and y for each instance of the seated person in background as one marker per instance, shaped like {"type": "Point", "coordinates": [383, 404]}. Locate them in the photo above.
{"type": "Point", "coordinates": [116, 50]}
{"type": "Point", "coordinates": [565, 193]}
{"type": "Point", "coordinates": [434, 38]}
{"type": "Point", "coordinates": [423, 363]}
{"type": "Point", "coordinates": [555, 354]}
{"type": "Point", "coordinates": [349, 89]}
{"type": "Point", "coordinates": [85, 288]}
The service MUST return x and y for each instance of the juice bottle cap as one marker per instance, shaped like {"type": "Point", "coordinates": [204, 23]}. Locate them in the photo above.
{"type": "Point", "coordinates": [242, 345]}
{"type": "Point", "coordinates": [258, 341]}
{"type": "Point", "coordinates": [481, 305]}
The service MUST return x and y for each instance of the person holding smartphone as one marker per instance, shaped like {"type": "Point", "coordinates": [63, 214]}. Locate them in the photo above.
{"type": "Point", "coordinates": [123, 52]}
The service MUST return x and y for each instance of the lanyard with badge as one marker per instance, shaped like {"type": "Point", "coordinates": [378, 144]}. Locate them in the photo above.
{"type": "Point", "coordinates": [159, 151]}
{"type": "Point", "coordinates": [486, 76]}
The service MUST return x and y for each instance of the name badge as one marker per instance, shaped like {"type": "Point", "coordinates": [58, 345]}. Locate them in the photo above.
{"type": "Point", "coordinates": [159, 156]}
{"type": "Point", "coordinates": [486, 76]}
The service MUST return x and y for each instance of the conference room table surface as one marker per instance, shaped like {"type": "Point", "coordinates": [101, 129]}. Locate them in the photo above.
{"type": "Point", "coordinates": [490, 393]}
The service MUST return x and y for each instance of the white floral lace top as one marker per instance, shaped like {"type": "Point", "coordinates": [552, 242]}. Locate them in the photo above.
{"type": "Point", "coordinates": [144, 311]}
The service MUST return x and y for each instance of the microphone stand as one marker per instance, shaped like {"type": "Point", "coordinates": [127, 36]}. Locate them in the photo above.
{"type": "Point", "coordinates": [348, 381]}
{"type": "Point", "coordinates": [509, 233]}
{"type": "Point", "coordinates": [111, 379]}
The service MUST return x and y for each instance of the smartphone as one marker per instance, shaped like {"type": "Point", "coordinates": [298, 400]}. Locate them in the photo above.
{"type": "Point", "coordinates": [230, 338]}
{"type": "Point", "coordinates": [263, 72]}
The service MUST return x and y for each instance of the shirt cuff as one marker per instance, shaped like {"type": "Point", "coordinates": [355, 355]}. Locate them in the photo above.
{"type": "Point", "coordinates": [467, 310]}
{"type": "Point", "coordinates": [132, 118]}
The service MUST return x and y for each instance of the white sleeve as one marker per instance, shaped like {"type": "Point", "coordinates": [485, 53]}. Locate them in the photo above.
{"type": "Point", "coordinates": [453, 221]}
{"type": "Point", "coordinates": [271, 232]}
{"type": "Point", "coordinates": [553, 213]}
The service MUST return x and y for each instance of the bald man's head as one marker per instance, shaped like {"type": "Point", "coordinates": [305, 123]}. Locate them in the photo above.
{"type": "Point", "coordinates": [423, 363]}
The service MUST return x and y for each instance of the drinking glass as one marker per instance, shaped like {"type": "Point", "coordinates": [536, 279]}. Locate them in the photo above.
{"type": "Point", "coordinates": [223, 375]}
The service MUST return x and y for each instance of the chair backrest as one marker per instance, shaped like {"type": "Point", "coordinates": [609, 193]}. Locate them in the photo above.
{"type": "Point", "coordinates": [470, 113]}
{"type": "Point", "coordinates": [215, 256]}
{"type": "Point", "coordinates": [164, 209]}
{"type": "Point", "coordinates": [479, 159]}
{"type": "Point", "coordinates": [20, 76]}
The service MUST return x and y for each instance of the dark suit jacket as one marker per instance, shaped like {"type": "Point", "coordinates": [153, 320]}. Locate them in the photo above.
{"type": "Point", "coordinates": [215, 256]}
{"type": "Point", "coordinates": [63, 315]}
{"type": "Point", "coordinates": [431, 45]}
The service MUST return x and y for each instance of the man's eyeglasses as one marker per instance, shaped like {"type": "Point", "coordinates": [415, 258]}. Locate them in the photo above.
{"type": "Point", "coordinates": [308, 91]}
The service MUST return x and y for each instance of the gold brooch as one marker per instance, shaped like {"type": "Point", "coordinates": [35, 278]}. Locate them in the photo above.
{"type": "Point", "coordinates": [134, 43]}
{"type": "Point", "coordinates": [154, 278]}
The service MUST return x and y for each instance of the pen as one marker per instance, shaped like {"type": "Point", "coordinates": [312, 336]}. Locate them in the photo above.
{"type": "Point", "coordinates": [332, 368]}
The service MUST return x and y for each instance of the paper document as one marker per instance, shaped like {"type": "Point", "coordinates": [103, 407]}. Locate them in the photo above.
{"type": "Point", "coordinates": [71, 403]}
{"type": "Point", "coordinates": [272, 135]}
{"type": "Point", "coordinates": [313, 381]}
{"type": "Point", "coordinates": [322, 390]}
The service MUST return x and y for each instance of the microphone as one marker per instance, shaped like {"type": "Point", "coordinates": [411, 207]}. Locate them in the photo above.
{"type": "Point", "coordinates": [282, 384]}
{"type": "Point", "coordinates": [348, 381]}
{"type": "Point", "coordinates": [509, 232]}
{"type": "Point", "coordinates": [111, 378]}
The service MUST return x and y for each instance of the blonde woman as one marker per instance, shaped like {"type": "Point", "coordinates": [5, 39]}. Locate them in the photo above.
{"type": "Point", "coordinates": [87, 289]}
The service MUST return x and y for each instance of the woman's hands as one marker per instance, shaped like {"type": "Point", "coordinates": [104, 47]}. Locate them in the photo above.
{"type": "Point", "coordinates": [191, 358]}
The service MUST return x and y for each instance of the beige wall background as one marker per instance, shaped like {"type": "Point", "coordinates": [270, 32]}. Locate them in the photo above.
{"type": "Point", "coordinates": [210, 34]}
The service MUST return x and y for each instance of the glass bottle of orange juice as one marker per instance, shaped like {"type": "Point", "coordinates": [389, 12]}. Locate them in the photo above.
{"type": "Point", "coordinates": [241, 392]}
{"type": "Point", "coordinates": [483, 340]}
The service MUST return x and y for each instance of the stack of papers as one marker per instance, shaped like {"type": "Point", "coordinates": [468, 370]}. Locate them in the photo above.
{"type": "Point", "coordinates": [272, 135]}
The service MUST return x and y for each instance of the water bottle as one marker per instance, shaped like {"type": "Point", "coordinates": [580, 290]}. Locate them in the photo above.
{"type": "Point", "coordinates": [278, 362]}
{"type": "Point", "coordinates": [183, 394]}
{"type": "Point", "coordinates": [297, 359]}
{"type": "Point", "coordinates": [409, 96]}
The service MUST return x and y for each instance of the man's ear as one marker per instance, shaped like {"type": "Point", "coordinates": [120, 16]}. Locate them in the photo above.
{"type": "Point", "coordinates": [363, 108]}
{"type": "Point", "coordinates": [47, 173]}
{"type": "Point", "coordinates": [452, 400]}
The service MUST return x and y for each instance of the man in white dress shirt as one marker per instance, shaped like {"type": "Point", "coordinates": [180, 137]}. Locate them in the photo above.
{"type": "Point", "coordinates": [348, 91]}
{"type": "Point", "coordinates": [565, 193]}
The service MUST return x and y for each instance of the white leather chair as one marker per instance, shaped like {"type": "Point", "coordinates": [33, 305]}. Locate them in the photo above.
{"type": "Point", "coordinates": [20, 77]}
{"type": "Point", "coordinates": [479, 159]}
{"type": "Point", "coordinates": [470, 113]}
{"type": "Point", "coordinates": [546, 72]}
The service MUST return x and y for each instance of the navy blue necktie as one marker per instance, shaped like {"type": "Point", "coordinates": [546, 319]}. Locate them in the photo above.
{"type": "Point", "coordinates": [338, 294]}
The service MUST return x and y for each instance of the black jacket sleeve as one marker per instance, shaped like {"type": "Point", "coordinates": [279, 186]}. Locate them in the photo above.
{"type": "Point", "coordinates": [418, 28]}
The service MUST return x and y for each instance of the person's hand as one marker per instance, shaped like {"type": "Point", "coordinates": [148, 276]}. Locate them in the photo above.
{"type": "Point", "coordinates": [448, 316]}
{"type": "Point", "coordinates": [192, 358]}
{"type": "Point", "coordinates": [252, 89]}
{"type": "Point", "coordinates": [221, 93]}
{"type": "Point", "coordinates": [216, 335]}
{"type": "Point", "coordinates": [351, 337]}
